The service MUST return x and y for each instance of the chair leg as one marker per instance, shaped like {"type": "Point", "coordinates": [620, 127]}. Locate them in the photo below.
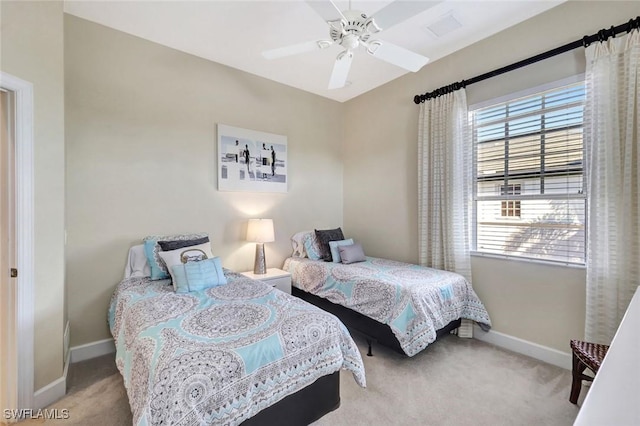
{"type": "Point", "coordinates": [576, 384]}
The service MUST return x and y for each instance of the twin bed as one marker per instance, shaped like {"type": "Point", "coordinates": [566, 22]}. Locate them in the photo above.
{"type": "Point", "coordinates": [403, 306]}
{"type": "Point", "coordinates": [244, 352]}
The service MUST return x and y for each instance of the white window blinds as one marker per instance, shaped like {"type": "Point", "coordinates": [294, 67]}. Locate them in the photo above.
{"type": "Point", "coordinates": [529, 190]}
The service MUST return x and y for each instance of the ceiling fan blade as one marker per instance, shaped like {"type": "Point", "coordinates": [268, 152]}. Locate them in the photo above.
{"type": "Point", "coordinates": [327, 9]}
{"type": "Point", "coordinates": [399, 11]}
{"type": "Point", "coordinates": [340, 70]}
{"type": "Point", "coordinates": [295, 49]}
{"type": "Point", "coordinates": [397, 55]}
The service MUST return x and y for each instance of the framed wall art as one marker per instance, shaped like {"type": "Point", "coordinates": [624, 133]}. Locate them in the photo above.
{"type": "Point", "coordinates": [249, 160]}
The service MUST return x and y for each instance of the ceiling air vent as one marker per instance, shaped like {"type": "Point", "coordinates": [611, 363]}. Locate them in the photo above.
{"type": "Point", "coordinates": [443, 26]}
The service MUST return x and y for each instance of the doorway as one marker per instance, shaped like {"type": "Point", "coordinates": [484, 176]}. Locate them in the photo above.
{"type": "Point", "coordinates": [16, 244]}
{"type": "Point", "coordinates": [8, 355]}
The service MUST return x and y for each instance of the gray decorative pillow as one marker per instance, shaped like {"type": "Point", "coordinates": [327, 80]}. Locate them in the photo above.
{"type": "Point", "coordinates": [352, 253]}
{"type": "Point", "coordinates": [323, 237]}
{"type": "Point", "coordinates": [178, 244]}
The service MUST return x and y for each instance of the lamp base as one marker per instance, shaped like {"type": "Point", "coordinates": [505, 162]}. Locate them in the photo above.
{"type": "Point", "coordinates": [260, 265]}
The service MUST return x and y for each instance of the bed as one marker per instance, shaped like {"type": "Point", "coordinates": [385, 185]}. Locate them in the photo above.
{"type": "Point", "coordinates": [242, 352]}
{"type": "Point", "coordinates": [400, 305]}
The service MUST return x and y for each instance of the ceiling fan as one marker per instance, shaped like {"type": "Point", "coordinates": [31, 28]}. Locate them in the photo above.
{"type": "Point", "coordinates": [352, 29]}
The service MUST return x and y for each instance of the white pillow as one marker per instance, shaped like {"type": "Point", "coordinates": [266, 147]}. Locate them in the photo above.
{"type": "Point", "coordinates": [297, 243]}
{"type": "Point", "coordinates": [174, 257]}
{"type": "Point", "coordinates": [137, 264]}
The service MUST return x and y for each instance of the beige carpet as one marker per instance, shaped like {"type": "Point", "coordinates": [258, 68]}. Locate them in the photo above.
{"type": "Point", "coordinates": [453, 382]}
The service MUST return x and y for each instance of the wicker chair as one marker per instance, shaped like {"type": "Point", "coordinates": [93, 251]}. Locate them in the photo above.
{"type": "Point", "coordinates": [585, 355]}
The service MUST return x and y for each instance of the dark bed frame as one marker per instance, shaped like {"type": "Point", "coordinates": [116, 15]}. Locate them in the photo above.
{"type": "Point", "coordinates": [373, 330]}
{"type": "Point", "coordinates": [303, 407]}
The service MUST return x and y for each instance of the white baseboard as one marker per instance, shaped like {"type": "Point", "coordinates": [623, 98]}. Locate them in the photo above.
{"type": "Point", "coordinates": [50, 393]}
{"type": "Point", "coordinates": [53, 391]}
{"type": "Point", "coordinates": [92, 350]}
{"type": "Point", "coordinates": [521, 346]}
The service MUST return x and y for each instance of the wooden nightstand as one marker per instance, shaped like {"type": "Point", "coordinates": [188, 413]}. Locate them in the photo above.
{"type": "Point", "coordinates": [274, 277]}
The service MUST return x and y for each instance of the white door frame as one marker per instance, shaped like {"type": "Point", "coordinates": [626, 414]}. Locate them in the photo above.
{"type": "Point", "coordinates": [24, 209]}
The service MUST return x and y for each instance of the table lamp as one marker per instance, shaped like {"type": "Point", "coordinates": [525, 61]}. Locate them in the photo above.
{"type": "Point", "coordinates": [260, 231]}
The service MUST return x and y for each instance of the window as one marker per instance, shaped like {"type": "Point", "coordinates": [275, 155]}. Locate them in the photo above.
{"type": "Point", "coordinates": [529, 200]}
{"type": "Point", "coordinates": [510, 207]}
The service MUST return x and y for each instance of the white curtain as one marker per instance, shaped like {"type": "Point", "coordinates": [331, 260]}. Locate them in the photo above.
{"type": "Point", "coordinates": [612, 116]}
{"type": "Point", "coordinates": [444, 183]}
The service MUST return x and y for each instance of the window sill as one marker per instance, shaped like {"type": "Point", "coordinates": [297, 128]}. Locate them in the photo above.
{"type": "Point", "coordinates": [528, 260]}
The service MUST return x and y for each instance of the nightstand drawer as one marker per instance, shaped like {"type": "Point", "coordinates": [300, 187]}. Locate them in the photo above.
{"type": "Point", "coordinates": [274, 277]}
{"type": "Point", "coordinates": [282, 284]}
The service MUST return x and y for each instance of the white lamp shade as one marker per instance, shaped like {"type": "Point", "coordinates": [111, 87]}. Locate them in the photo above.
{"type": "Point", "coordinates": [260, 230]}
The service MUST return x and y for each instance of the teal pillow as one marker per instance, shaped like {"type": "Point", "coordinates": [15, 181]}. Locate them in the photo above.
{"type": "Point", "coordinates": [198, 276]}
{"type": "Point", "coordinates": [157, 273]}
{"type": "Point", "coordinates": [334, 246]}
{"type": "Point", "coordinates": [311, 246]}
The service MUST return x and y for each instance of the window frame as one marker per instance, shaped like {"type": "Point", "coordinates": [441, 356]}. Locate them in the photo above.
{"type": "Point", "coordinates": [580, 78]}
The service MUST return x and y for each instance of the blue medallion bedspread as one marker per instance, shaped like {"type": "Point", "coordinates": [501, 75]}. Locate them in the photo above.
{"type": "Point", "coordinates": [221, 355]}
{"type": "Point", "coordinates": [414, 301]}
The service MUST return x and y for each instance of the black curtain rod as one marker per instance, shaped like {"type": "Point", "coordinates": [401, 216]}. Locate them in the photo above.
{"type": "Point", "coordinates": [601, 35]}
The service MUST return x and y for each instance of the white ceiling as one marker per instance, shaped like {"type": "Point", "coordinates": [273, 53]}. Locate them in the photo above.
{"type": "Point", "coordinates": [235, 33]}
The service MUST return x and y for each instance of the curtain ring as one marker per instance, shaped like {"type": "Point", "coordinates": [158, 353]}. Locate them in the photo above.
{"type": "Point", "coordinates": [585, 41]}
{"type": "Point", "coordinates": [601, 36]}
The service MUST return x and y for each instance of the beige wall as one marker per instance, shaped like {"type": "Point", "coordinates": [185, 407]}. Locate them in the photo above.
{"type": "Point", "coordinates": [141, 143]}
{"type": "Point", "coordinates": [141, 126]}
{"type": "Point", "coordinates": [32, 49]}
{"type": "Point", "coordinates": [540, 303]}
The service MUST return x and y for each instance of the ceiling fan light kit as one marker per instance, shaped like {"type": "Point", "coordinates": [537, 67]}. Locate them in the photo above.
{"type": "Point", "coordinates": [352, 29]}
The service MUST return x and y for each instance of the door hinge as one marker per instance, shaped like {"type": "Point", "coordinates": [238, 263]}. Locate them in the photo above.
{"type": "Point", "coordinates": [14, 273]}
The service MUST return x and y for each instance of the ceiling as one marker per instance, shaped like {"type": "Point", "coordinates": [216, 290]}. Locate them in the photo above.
{"type": "Point", "coordinates": [234, 33]}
